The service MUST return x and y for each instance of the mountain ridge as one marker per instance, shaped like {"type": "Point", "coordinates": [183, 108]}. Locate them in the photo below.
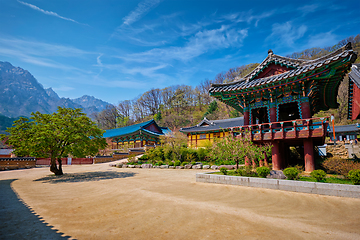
{"type": "Point", "coordinates": [21, 94]}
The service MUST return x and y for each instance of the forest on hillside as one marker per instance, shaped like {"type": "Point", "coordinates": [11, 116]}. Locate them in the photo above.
{"type": "Point", "coordinates": [181, 105]}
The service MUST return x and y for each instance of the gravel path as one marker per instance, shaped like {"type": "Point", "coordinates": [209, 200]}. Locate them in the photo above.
{"type": "Point", "coordinates": [102, 202]}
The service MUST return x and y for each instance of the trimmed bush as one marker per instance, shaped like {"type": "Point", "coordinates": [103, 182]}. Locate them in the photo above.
{"type": "Point", "coordinates": [171, 164]}
{"type": "Point", "coordinates": [177, 163]}
{"type": "Point", "coordinates": [144, 157]}
{"type": "Point", "coordinates": [223, 170]}
{"type": "Point", "coordinates": [184, 163]}
{"type": "Point", "coordinates": [291, 173]}
{"type": "Point", "coordinates": [246, 171]}
{"type": "Point", "coordinates": [263, 171]}
{"type": "Point", "coordinates": [319, 175]}
{"type": "Point", "coordinates": [354, 176]}
{"type": "Point", "coordinates": [159, 163]}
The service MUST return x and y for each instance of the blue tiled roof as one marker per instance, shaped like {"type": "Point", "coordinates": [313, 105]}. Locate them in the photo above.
{"type": "Point", "coordinates": [130, 129]}
{"type": "Point", "coordinates": [166, 130]}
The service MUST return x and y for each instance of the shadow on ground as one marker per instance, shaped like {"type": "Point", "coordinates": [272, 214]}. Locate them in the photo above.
{"type": "Point", "coordinates": [17, 219]}
{"type": "Point", "coordinates": [85, 177]}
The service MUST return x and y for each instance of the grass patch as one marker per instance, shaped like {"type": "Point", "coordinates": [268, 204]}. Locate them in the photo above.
{"type": "Point", "coordinates": [329, 179]}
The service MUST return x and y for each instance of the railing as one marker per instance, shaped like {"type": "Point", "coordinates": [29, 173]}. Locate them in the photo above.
{"type": "Point", "coordinates": [293, 129]}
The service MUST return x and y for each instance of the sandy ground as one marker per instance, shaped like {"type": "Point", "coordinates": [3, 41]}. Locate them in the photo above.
{"type": "Point", "coordinates": [102, 202]}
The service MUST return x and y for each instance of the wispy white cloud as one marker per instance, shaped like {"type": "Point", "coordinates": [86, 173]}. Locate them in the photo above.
{"type": "Point", "coordinates": [322, 39]}
{"type": "Point", "coordinates": [286, 34]}
{"type": "Point", "coordinates": [41, 48]}
{"type": "Point", "coordinates": [247, 17]}
{"type": "Point", "coordinates": [39, 53]}
{"type": "Point", "coordinates": [141, 9]}
{"type": "Point", "coordinates": [200, 43]}
{"type": "Point", "coordinates": [63, 89]}
{"type": "Point", "coordinates": [308, 8]}
{"type": "Point", "coordinates": [49, 12]}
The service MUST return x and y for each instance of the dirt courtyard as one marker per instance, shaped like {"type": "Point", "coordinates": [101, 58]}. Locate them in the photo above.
{"type": "Point", "coordinates": [102, 202]}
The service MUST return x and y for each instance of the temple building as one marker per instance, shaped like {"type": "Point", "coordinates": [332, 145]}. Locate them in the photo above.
{"type": "Point", "coordinates": [354, 93]}
{"type": "Point", "coordinates": [135, 136]}
{"type": "Point", "coordinates": [207, 130]}
{"type": "Point", "coordinates": [280, 96]}
{"type": "Point", "coordinates": [345, 132]}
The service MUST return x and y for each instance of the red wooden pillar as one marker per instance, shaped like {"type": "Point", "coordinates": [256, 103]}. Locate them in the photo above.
{"type": "Point", "coordinates": [309, 155]}
{"type": "Point", "coordinates": [246, 118]}
{"type": "Point", "coordinates": [305, 110]}
{"type": "Point", "coordinates": [273, 114]}
{"type": "Point", "coordinates": [276, 156]}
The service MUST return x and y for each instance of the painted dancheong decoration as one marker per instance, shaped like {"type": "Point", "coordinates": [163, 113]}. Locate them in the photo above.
{"type": "Point", "coordinates": [280, 96]}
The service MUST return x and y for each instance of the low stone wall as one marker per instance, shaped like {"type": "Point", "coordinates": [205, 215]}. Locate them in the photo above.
{"type": "Point", "coordinates": [16, 163]}
{"type": "Point", "coordinates": [331, 189]}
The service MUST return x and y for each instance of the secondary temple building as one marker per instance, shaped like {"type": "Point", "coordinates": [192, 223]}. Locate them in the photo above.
{"type": "Point", "coordinates": [207, 130]}
{"type": "Point", "coordinates": [280, 96]}
{"type": "Point", "coordinates": [135, 136]}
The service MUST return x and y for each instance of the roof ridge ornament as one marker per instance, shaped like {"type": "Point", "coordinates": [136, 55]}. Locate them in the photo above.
{"type": "Point", "coordinates": [270, 52]}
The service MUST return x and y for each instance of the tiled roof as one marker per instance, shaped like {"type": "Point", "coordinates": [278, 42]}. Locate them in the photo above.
{"type": "Point", "coordinates": [345, 128]}
{"type": "Point", "coordinates": [355, 74]}
{"type": "Point", "coordinates": [214, 125]}
{"type": "Point", "coordinates": [6, 151]}
{"type": "Point", "coordinates": [130, 129]}
{"type": "Point", "coordinates": [301, 67]}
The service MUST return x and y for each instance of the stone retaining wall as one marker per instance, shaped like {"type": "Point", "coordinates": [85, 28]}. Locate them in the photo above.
{"type": "Point", "coordinates": [331, 189]}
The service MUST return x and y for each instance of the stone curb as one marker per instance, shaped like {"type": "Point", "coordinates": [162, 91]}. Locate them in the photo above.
{"type": "Point", "coordinates": [330, 189]}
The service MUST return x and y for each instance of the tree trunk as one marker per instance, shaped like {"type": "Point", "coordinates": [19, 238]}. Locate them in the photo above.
{"type": "Point", "coordinates": [54, 168]}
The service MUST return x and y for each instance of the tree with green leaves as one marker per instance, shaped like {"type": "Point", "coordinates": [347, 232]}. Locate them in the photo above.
{"type": "Point", "coordinates": [236, 149]}
{"type": "Point", "coordinates": [57, 135]}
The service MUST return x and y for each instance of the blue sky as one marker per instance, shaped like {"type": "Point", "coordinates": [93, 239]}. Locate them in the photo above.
{"type": "Point", "coordinates": [116, 50]}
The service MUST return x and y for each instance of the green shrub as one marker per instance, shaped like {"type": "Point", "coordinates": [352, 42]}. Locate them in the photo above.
{"type": "Point", "coordinates": [223, 170]}
{"type": "Point", "coordinates": [354, 176]}
{"type": "Point", "coordinates": [202, 154]}
{"type": "Point", "coordinates": [177, 163]}
{"type": "Point", "coordinates": [132, 159]}
{"type": "Point", "coordinates": [144, 157]}
{"type": "Point", "coordinates": [291, 173]}
{"type": "Point", "coordinates": [184, 163]}
{"type": "Point", "coordinates": [171, 164]}
{"type": "Point", "coordinates": [246, 171]}
{"type": "Point", "coordinates": [263, 171]}
{"type": "Point", "coordinates": [319, 175]}
{"type": "Point", "coordinates": [159, 163]}
{"type": "Point", "coordinates": [168, 153]}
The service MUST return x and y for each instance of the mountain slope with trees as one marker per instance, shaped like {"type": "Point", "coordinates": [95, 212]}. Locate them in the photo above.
{"type": "Point", "coordinates": [181, 106]}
